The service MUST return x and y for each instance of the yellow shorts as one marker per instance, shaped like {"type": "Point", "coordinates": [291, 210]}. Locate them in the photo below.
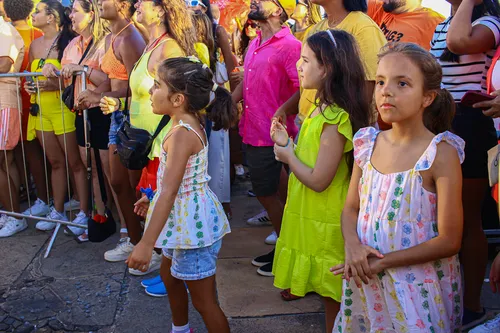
{"type": "Point", "coordinates": [55, 120]}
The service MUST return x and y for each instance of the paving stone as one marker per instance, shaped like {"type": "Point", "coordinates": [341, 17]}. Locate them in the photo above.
{"type": "Point", "coordinates": [301, 323]}
{"type": "Point", "coordinates": [25, 328]}
{"type": "Point", "coordinates": [245, 243]}
{"type": "Point", "coordinates": [4, 327]}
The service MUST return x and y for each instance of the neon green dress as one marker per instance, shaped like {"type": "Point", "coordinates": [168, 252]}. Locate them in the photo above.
{"type": "Point", "coordinates": [311, 239]}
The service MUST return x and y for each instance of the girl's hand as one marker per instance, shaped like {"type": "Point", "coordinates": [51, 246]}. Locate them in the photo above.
{"type": "Point", "coordinates": [49, 70]}
{"type": "Point", "coordinates": [109, 104]}
{"type": "Point", "coordinates": [280, 117]}
{"type": "Point", "coordinates": [69, 69]}
{"type": "Point", "coordinates": [279, 133]}
{"type": "Point", "coordinates": [491, 108]}
{"type": "Point", "coordinates": [140, 257]}
{"type": "Point", "coordinates": [284, 154]}
{"type": "Point", "coordinates": [357, 265]}
{"type": "Point", "coordinates": [141, 207]}
{"type": "Point", "coordinates": [236, 77]}
{"type": "Point", "coordinates": [86, 99]}
{"type": "Point", "coordinates": [495, 275]}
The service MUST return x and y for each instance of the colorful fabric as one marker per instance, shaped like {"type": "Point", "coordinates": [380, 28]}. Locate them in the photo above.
{"type": "Point", "coordinates": [311, 240]}
{"type": "Point", "coordinates": [9, 128]}
{"type": "Point", "coordinates": [197, 218]}
{"type": "Point", "coordinates": [416, 26]}
{"type": "Point", "coordinates": [396, 213]}
{"type": "Point", "coordinates": [271, 78]}
{"type": "Point", "coordinates": [370, 40]}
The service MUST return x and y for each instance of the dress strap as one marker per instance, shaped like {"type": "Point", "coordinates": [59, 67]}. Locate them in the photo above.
{"type": "Point", "coordinates": [426, 160]}
{"type": "Point", "coordinates": [364, 141]}
{"type": "Point", "coordinates": [189, 128]}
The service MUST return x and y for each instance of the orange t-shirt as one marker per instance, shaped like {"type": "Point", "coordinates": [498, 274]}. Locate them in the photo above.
{"type": "Point", "coordinates": [416, 27]}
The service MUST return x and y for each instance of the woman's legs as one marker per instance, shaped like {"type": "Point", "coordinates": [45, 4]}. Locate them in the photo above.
{"type": "Point", "coordinates": [9, 196]}
{"type": "Point", "coordinates": [35, 161]}
{"type": "Point", "coordinates": [120, 183]}
{"type": "Point", "coordinates": [474, 252]}
{"type": "Point", "coordinates": [95, 180]}
{"type": "Point", "coordinates": [332, 308]}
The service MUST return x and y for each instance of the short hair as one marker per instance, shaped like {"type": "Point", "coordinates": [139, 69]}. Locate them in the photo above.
{"type": "Point", "coordinates": [18, 10]}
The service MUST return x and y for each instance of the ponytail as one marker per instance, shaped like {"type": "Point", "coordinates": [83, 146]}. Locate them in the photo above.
{"type": "Point", "coordinates": [61, 15]}
{"type": "Point", "coordinates": [439, 115]}
{"type": "Point", "coordinates": [194, 80]}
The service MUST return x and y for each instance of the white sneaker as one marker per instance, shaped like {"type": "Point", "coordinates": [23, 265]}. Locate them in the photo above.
{"type": "Point", "coordinates": [272, 238]}
{"type": "Point", "coordinates": [154, 265]}
{"type": "Point", "coordinates": [3, 220]}
{"type": "Point", "coordinates": [54, 215]}
{"type": "Point", "coordinates": [120, 252]}
{"type": "Point", "coordinates": [488, 327]}
{"type": "Point", "coordinates": [13, 226]}
{"type": "Point", "coordinates": [260, 219]}
{"type": "Point", "coordinates": [72, 205]}
{"type": "Point", "coordinates": [81, 219]}
{"type": "Point", "coordinates": [240, 170]}
{"type": "Point", "coordinates": [39, 208]}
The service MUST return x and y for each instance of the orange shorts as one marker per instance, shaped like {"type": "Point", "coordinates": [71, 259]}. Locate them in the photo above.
{"type": "Point", "coordinates": [148, 177]}
{"type": "Point", "coordinates": [10, 132]}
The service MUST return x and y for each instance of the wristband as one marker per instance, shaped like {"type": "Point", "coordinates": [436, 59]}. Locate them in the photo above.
{"type": "Point", "coordinates": [148, 192]}
{"type": "Point", "coordinates": [287, 143]}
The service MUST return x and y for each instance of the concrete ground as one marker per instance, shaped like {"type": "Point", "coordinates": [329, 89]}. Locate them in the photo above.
{"type": "Point", "coordinates": [75, 290]}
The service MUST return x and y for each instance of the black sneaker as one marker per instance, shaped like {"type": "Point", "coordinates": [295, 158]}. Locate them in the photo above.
{"type": "Point", "coordinates": [264, 260]}
{"type": "Point", "coordinates": [266, 270]}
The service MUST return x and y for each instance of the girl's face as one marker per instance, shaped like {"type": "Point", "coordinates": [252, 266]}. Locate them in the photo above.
{"type": "Point", "coordinates": [163, 101]}
{"type": "Point", "coordinates": [311, 72]}
{"type": "Point", "coordinates": [79, 18]}
{"type": "Point", "coordinates": [147, 12]}
{"type": "Point", "coordinates": [39, 17]}
{"type": "Point", "coordinates": [399, 90]}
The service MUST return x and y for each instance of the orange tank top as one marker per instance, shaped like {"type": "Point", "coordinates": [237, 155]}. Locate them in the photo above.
{"type": "Point", "coordinates": [113, 67]}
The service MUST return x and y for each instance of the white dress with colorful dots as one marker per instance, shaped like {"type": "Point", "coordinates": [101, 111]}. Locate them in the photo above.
{"type": "Point", "coordinates": [397, 213]}
{"type": "Point", "coordinates": [197, 218]}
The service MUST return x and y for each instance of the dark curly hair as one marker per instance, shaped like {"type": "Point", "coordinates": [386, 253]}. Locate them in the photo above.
{"type": "Point", "coordinates": [18, 10]}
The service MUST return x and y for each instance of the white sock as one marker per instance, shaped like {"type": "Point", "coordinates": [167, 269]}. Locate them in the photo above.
{"type": "Point", "coordinates": [123, 230]}
{"type": "Point", "coordinates": [180, 329]}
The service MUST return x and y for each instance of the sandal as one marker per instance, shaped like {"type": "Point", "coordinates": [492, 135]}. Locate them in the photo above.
{"type": "Point", "coordinates": [288, 296]}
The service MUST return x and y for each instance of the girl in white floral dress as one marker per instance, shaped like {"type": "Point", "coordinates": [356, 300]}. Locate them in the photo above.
{"type": "Point", "coordinates": [186, 219]}
{"type": "Point", "coordinates": [402, 221]}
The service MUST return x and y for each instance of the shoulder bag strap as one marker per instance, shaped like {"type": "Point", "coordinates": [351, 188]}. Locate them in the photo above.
{"type": "Point", "coordinates": [163, 122]}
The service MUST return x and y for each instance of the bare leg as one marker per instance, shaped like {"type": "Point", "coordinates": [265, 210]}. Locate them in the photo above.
{"type": "Point", "coordinates": [9, 199]}
{"type": "Point", "coordinates": [274, 207]}
{"type": "Point", "coordinates": [177, 294]}
{"type": "Point", "coordinates": [18, 159]}
{"type": "Point", "coordinates": [95, 181]}
{"type": "Point", "coordinates": [474, 252]}
{"type": "Point", "coordinates": [332, 308]}
{"type": "Point", "coordinates": [34, 158]}
{"type": "Point", "coordinates": [120, 183]}
{"type": "Point", "coordinates": [204, 298]}
{"type": "Point", "coordinates": [111, 193]}
{"type": "Point", "coordinates": [76, 167]}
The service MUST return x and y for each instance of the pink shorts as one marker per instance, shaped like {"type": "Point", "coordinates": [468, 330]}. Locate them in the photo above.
{"type": "Point", "coordinates": [10, 132]}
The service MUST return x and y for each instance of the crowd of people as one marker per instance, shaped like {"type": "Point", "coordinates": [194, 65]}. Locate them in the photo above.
{"type": "Point", "coordinates": [365, 127]}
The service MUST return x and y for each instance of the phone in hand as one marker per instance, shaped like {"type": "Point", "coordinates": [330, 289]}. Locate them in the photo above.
{"type": "Point", "coordinates": [472, 97]}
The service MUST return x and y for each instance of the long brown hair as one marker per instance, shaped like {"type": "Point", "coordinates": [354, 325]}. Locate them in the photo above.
{"type": "Point", "coordinates": [439, 115]}
{"type": "Point", "coordinates": [99, 27]}
{"type": "Point", "coordinates": [204, 34]}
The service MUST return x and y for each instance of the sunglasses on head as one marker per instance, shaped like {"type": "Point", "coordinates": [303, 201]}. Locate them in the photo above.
{"type": "Point", "coordinates": [194, 3]}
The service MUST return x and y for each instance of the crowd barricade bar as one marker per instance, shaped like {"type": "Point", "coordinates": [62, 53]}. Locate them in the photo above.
{"type": "Point", "coordinates": [36, 76]}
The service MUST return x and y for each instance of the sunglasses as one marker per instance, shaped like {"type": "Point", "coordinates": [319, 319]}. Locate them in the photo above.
{"type": "Point", "coordinates": [194, 3]}
{"type": "Point", "coordinates": [251, 24]}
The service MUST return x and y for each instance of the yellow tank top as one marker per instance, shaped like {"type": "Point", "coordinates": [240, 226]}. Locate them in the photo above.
{"type": "Point", "coordinates": [50, 101]}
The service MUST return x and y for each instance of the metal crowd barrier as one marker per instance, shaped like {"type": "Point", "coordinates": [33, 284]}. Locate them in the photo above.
{"type": "Point", "coordinates": [36, 77]}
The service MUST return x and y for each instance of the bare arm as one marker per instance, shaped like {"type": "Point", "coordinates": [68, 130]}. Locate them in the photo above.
{"type": "Point", "coordinates": [351, 210]}
{"type": "Point", "coordinates": [447, 175]}
{"type": "Point", "coordinates": [5, 64]}
{"type": "Point", "coordinates": [237, 94]}
{"type": "Point", "coordinates": [463, 38]}
{"type": "Point", "coordinates": [225, 48]}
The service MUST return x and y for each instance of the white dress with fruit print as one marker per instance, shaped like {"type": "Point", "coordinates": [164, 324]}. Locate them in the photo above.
{"type": "Point", "coordinates": [397, 213]}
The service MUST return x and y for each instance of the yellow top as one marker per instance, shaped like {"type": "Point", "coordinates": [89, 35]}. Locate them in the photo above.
{"type": "Point", "coordinates": [370, 40]}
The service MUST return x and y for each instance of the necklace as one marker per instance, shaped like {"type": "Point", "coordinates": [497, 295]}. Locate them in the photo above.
{"type": "Point", "coordinates": [155, 43]}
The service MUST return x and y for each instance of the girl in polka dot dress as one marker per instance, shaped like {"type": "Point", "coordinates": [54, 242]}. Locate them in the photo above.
{"type": "Point", "coordinates": [402, 221]}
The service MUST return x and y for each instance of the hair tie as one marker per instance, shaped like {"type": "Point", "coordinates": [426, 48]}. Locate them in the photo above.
{"type": "Point", "coordinates": [442, 86]}
{"type": "Point", "coordinates": [204, 66]}
{"type": "Point", "coordinates": [214, 87]}
{"type": "Point", "coordinates": [331, 37]}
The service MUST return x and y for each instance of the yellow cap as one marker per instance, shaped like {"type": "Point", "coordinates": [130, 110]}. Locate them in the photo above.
{"type": "Point", "coordinates": [289, 6]}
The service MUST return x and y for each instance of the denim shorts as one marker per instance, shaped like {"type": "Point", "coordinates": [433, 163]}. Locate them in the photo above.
{"type": "Point", "coordinates": [193, 264]}
{"type": "Point", "coordinates": [116, 120]}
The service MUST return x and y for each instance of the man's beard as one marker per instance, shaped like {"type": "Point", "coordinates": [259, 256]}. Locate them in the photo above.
{"type": "Point", "coordinates": [258, 15]}
{"type": "Point", "coordinates": [393, 5]}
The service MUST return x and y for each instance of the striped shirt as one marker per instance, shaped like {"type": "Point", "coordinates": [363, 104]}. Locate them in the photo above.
{"type": "Point", "coordinates": [470, 72]}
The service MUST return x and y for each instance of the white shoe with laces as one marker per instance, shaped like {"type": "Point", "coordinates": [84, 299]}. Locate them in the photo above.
{"type": "Point", "coordinates": [13, 226]}
{"type": "Point", "coordinates": [72, 205]}
{"type": "Point", "coordinates": [39, 208]}
{"type": "Point", "coordinates": [488, 327]}
{"type": "Point", "coordinates": [3, 220]}
{"type": "Point", "coordinates": [54, 215]}
{"type": "Point", "coordinates": [120, 252]}
{"type": "Point", "coordinates": [81, 219]}
{"type": "Point", "coordinates": [260, 219]}
{"type": "Point", "coordinates": [154, 265]}
{"type": "Point", "coordinates": [272, 238]}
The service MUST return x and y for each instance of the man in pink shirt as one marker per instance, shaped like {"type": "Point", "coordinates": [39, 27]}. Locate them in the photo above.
{"type": "Point", "coordinates": [270, 80]}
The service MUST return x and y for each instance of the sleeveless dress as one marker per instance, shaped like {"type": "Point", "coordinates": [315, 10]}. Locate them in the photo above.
{"type": "Point", "coordinates": [197, 219]}
{"type": "Point", "coordinates": [397, 213]}
{"type": "Point", "coordinates": [311, 238]}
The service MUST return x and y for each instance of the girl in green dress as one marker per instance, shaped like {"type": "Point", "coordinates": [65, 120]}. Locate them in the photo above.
{"type": "Point", "coordinates": [311, 239]}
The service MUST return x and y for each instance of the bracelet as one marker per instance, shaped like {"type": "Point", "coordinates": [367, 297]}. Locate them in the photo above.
{"type": "Point", "coordinates": [148, 192]}
{"type": "Point", "coordinates": [287, 143]}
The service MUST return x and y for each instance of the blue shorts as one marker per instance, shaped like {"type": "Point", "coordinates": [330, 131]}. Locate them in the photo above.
{"type": "Point", "coordinates": [116, 120]}
{"type": "Point", "coordinates": [194, 264]}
